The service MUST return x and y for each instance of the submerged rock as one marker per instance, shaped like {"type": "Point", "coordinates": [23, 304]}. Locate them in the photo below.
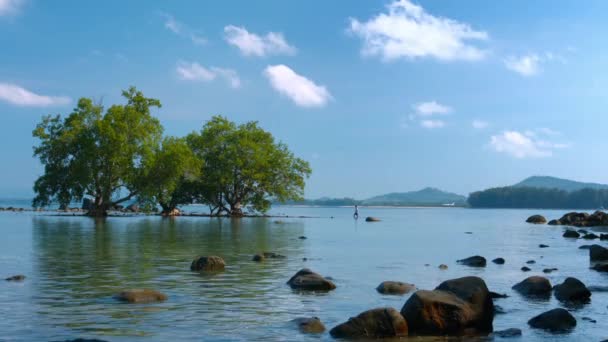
{"type": "Point", "coordinates": [267, 255]}
{"type": "Point", "coordinates": [598, 253]}
{"type": "Point", "coordinates": [536, 219]}
{"type": "Point", "coordinates": [554, 223]}
{"type": "Point", "coordinates": [395, 287]}
{"type": "Point", "coordinates": [530, 262]}
{"type": "Point", "coordinates": [549, 270]}
{"type": "Point", "coordinates": [543, 246]}
{"type": "Point", "coordinates": [569, 233]}
{"type": "Point", "coordinates": [456, 307]}
{"type": "Point", "coordinates": [19, 277]}
{"type": "Point", "coordinates": [556, 320]}
{"type": "Point", "coordinates": [474, 261]}
{"type": "Point", "coordinates": [372, 219]}
{"type": "Point", "coordinates": [534, 286]}
{"type": "Point", "coordinates": [208, 263]}
{"type": "Point", "coordinates": [141, 296]}
{"type": "Point", "coordinates": [308, 280]}
{"type": "Point", "coordinates": [572, 290]}
{"type": "Point", "coordinates": [526, 269]}
{"type": "Point", "coordinates": [590, 236]}
{"type": "Point", "coordinates": [309, 325]}
{"type": "Point", "coordinates": [499, 261]}
{"type": "Point", "coordinates": [375, 323]}
{"type": "Point", "coordinates": [443, 267]}
{"type": "Point", "coordinates": [512, 332]}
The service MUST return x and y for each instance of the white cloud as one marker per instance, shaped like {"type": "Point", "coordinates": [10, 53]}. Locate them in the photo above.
{"type": "Point", "coordinates": [302, 91]}
{"type": "Point", "coordinates": [19, 96]}
{"type": "Point", "coordinates": [408, 31]}
{"type": "Point", "coordinates": [432, 123]}
{"type": "Point", "coordinates": [431, 108]}
{"type": "Point", "coordinates": [8, 7]}
{"type": "Point", "coordinates": [251, 44]}
{"type": "Point", "coordinates": [195, 72]}
{"type": "Point", "coordinates": [182, 30]}
{"type": "Point", "coordinates": [524, 145]}
{"type": "Point", "coordinates": [479, 124]}
{"type": "Point", "coordinates": [528, 65]}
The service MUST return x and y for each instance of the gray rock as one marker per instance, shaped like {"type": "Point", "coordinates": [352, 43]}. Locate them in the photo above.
{"type": "Point", "coordinates": [474, 261]}
{"type": "Point", "coordinates": [556, 320]}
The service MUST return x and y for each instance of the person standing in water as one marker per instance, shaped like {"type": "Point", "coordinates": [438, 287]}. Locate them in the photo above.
{"type": "Point", "coordinates": [356, 214]}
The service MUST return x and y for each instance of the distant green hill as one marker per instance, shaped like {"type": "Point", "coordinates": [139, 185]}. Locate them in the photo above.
{"type": "Point", "coordinates": [424, 197]}
{"type": "Point", "coordinates": [558, 183]}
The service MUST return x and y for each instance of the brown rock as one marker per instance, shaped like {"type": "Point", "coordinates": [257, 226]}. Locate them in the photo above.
{"type": "Point", "coordinates": [534, 286]}
{"type": "Point", "coordinates": [536, 219]}
{"type": "Point", "coordinates": [208, 264]}
{"type": "Point", "coordinates": [312, 325]}
{"type": "Point", "coordinates": [395, 287]}
{"type": "Point", "coordinates": [556, 320]}
{"type": "Point", "coordinates": [375, 323]}
{"type": "Point", "coordinates": [308, 280]}
{"type": "Point", "coordinates": [141, 296]}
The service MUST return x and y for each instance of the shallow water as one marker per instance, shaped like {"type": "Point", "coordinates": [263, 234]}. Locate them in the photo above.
{"type": "Point", "coordinates": [74, 265]}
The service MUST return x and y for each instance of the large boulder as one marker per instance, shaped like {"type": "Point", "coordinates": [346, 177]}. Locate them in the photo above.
{"type": "Point", "coordinates": [456, 307]}
{"type": "Point", "coordinates": [208, 264]}
{"type": "Point", "coordinates": [141, 296]}
{"type": "Point", "coordinates": [574, 219]}
{"type": "Point", "coordinates": [375, 323]}
{"type": "Point", "coordinates": [536, 219]}
{"type": "Point", "coordinates": [572, 290]}
{"type": "Point", "coordinates": [534, 286]}
{"type": "Point", "coordinates": [474, 261]}
{"type": "Point", "coordinates": [308, 280]}
{"type": "Point", "coordinates": [395, 287]}
{"type": "Point", "coordinates": [598, 253]}
{"type": "Point", "coordinates": [556, 320]}
{"type": "Point", "coordinates": [312, 325]}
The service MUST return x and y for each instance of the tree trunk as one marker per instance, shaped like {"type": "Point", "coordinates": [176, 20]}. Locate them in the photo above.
{"type": "Point", "coordinates": [99, 208]}
{"type": "Point", "coordinates": [236, 210]}
{"type": "Point", "coordinates": [169, 210]}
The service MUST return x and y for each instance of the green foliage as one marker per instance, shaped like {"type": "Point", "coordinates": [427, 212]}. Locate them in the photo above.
{"type": "Point", "coordinates": [99, 155]}
{"type": "Point", "coordinates": [244, 166]}
{"type": "Point", "coordinates": [531, 197]}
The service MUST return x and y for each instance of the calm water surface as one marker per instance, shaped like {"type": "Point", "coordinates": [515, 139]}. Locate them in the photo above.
{"type": "Point", "coordinates": [74, 265]}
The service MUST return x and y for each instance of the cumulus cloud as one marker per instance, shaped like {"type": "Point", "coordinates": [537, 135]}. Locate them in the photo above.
{"type": "Point", "coordinates": [19, 96]}
{"type": "Point", "coordinates": [432, 123]}
{"type": "Point", "coordinates": [408, 31]}
{"type": "Point", "coordinates": [479, 124]}
{"type": "Point", "coordinates": [302, 91]}
{"type": "Point", "coordinates": [527, 65]}
{"type": "Point", "coordinates": [424, 113]}
{"type": "Point", "coordinates": [8, 7]}
{"type": "Point", "coordinates": [192, 71]}
{"type": "Point", "coordinates": [524, 145]}
{"type": "Point", "coordinates": [431, 108]}
{"type": "Point", "coordinates": [182, 30]}
{"type": "Point", "coordinates": [251, 44]}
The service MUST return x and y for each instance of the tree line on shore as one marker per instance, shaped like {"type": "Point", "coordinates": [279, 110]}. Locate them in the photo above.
{"type": "Point", "coordinates": [118, 155]}
{"type": "Point", "coordinates": [541, 198]}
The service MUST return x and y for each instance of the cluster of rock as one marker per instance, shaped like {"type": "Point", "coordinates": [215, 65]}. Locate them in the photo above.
{"type": "Point", "coordinates": [598, 218]}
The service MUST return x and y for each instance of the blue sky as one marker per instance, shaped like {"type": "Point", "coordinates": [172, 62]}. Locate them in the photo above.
{"type": "Point", "coordinates": [380, 96]}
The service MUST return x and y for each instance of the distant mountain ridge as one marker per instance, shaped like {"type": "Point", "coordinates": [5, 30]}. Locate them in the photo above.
{"type": "Point", "coordinates": [558, 183]}
{"type": "Point", "coordinates": [426, 196]}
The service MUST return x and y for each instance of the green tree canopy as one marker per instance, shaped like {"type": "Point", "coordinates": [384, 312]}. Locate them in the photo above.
{"type": "Point", "coordinates": [105, 156]}
{"type": "Point", "coordinates": [244, 166]}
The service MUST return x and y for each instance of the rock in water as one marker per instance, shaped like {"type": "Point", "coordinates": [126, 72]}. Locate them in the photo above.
{"type": "Point", "coordinates": [312, 325]}
{"type": "Point", "coordinates": [543, 246]}
{"type": "Point", "coordinates": [375, 323]}
{"type": "Point", "coordinates": [556, 320]}
{"type": "Point", "coordinates": [526, 269]}
{"type": "Point", "coordinates": [208, 264]}
{"type": "Point", "coordinates": [141, 296]}
{"type": "Point", "coordinates": [456, 307]}
{"type": "Point", "coordinates": [395, 287]}
{"type": "Point", "coordinates": [258, 258]}
{"type": "Point", "coordinates": [569, 233]}
{"type": "Point", "coordinates": [554, 223]}
{"type": "Point", "coordinates": [499, 261]}
{"type": "Point", "coordinates": [512, 332]}
{"type": "Point", "coordinates": [598, 253]}
{"type": "Point", "coordinates": [474, 261]}
{"type": "Point", "coordinates": [536, 219]}
{"type": "Point", "coordinates": [603, 267]}
{"type": "Point", "coordinates": [19, 277]}
{"type": "Point", "coordinates": [534, 286]}
{"type": "Point", "coordinates": [572, 290]}
{"type": "Point", "coordinates": [372, 219]}
{"type": "Point", "coordinates": [308, 280]}
{"type": "Point", "coordinates": [443, 267]}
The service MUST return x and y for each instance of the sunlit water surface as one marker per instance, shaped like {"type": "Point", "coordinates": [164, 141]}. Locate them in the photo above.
{"type": "Point", "coordinates": [74, 266]}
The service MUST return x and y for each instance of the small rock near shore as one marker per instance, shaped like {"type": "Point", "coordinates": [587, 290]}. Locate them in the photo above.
{"type": "Point", "coordinates": [18, 277]}
{"type": "Point", "coordinates": [536, 219]}
{"type": "Point", "coordinates": [307, 280]}
{"type": "Point", "coordinates": [474, 261]}
{"type": "Point", "coordinates": [556, 320]}
{"type": "Point", "coordinates": [309, 325]}
{"type": "Point", "coordinates": [375, 323]}
{"type": "Point", "coordinates": [141, 296]}
{"type": "Point", "coordinates": [395, 287]}
{"type": "Point", "coordinates": [208, 263]}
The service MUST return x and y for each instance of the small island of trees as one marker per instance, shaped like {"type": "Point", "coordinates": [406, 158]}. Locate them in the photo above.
{"type": "Point", "coordinates": [120, 155]}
